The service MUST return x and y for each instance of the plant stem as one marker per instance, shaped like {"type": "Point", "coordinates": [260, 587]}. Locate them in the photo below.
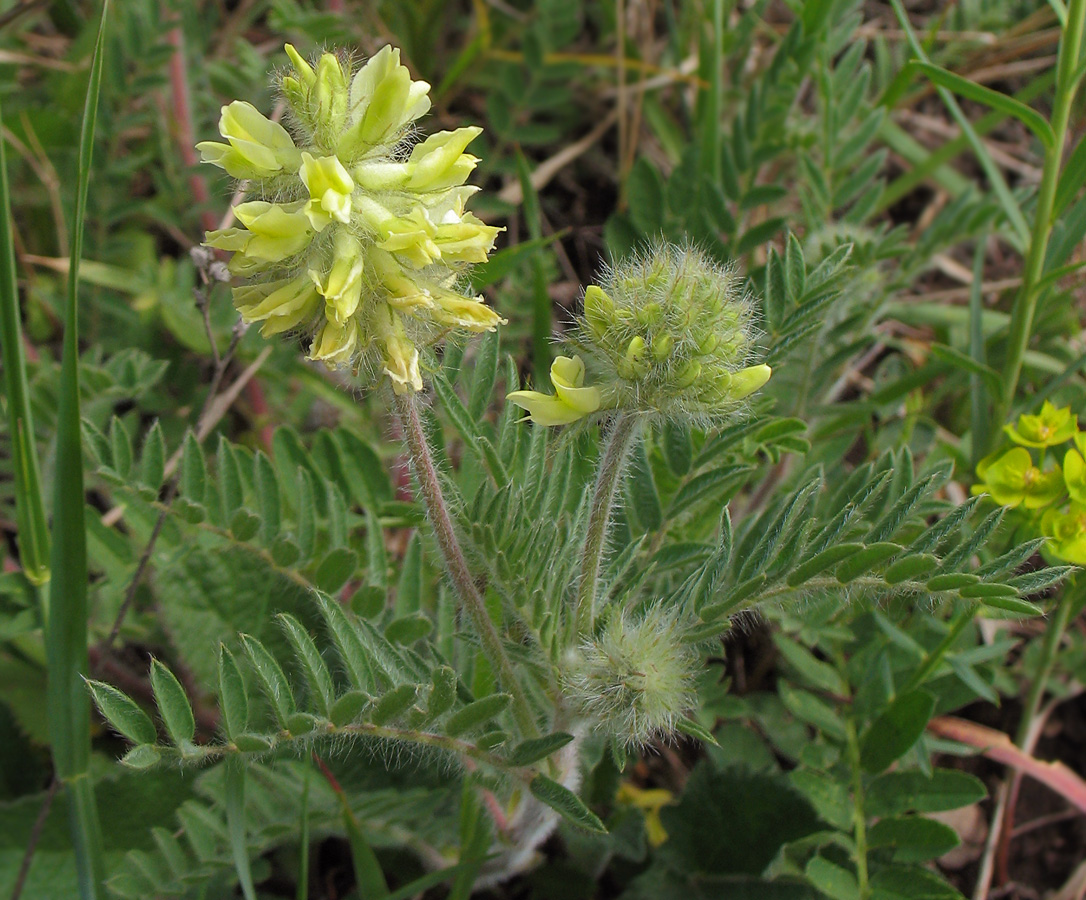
{"type": "Point", "coordinates": [603, 499]}
{"type": "Point", "coordinates": [859, 819]}
{"type": "Point", "coordinates": [1053, 635]}
{"type": "Point", "coordinates": [1025, 304]}
{"type": "Point", "coordinates": [935, 657]}
{"type": "Point", "coordinates": [438, 512]}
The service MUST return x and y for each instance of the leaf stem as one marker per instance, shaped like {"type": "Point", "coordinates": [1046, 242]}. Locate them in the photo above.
{"type": "Point", "coordinates": [935, 657]}
{"type": "Point", "coordinates": [438, 513]}
{"type": "Point", "coordinates": [859, 818]}
{"type": "Point", "coordinates": [603, 498]}
{"type": "Point", "coordinates": [1025, 303]}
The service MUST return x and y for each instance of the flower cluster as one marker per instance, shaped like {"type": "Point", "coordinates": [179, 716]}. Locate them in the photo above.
{"type": "Point", "coordinates": [355, 239]}
{"type": "Point", "coordinates": [669, 332]}
{"type": "Point", "coordinates": [1053, 495]}
{"type": "Point", "coordinates": [635, 678]}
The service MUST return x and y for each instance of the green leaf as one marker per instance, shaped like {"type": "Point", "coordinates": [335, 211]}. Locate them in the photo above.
{"type": "Point", "coordinates": [893, 793]}
{"type": "Point", "coordinates": [832, 880]}
{"type": "Point", "coordinates": [566, 803]}
{"type": "Point", "coordinates": [475, 714]}
{"type": "Point", "coordinates": [822, 561]}
{"type": "Point", "coordinates": [122, 712]}
{"type": "Point", "coordinates": [120, 448]}
{"type": "Point", "coordinates": [896, 730]}
{"type": "Point", "coordinates": [153, 457]}
{"type": "Point", "coordinates": [530, 751]}
{"type": "Point", "coordinates": [335, 569]}
{"type": "Point", "coordinates": [193, 470]}
{"type": "Point", "coordinates": [442, 692]}
{"type": "Point", "coordinates": [348, 708]}
{"type": "Point", "coordinates": [816, 673]}
{"type": "Point", "coordinates": [865, 560]}
{"type": "Point", "coordinates": [266, 487]}
{"type": "Point", "coordinates": [692, 728]}
{"type": "Point", "coordinates": [312, 663]}
{"type": "Point", "coordinates": [348, 643]}
{"type": "Point", "coordinates": [235, 822]}
{"type": "Point", "coordinates": [272, 678]}
{"type": "Point", "coordinates": [233, 699]}
{"type": "Point", "coordinates": [914, 838]}
{"type": "Point", "coordinates": [484, 374]}
{"type": "Point", "coordinates": [909, 568]}
{"type": "Point", "coordinates": [253, 743]}
{"type": "Point", "coordinates": [142, 756]}
{"type": "Point", "coordinates": [393, 703]}
{"type": "Point", "coordinates": [173, 705]}
{"type": "Point", "coordinates": [408, 629]}
{"type": "Point", "coordinates": [966, 363]}
{"type": "Point", "coordinates": [1032, 119]}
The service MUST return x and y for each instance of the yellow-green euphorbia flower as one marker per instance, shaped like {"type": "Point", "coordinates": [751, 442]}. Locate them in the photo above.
{"type": "Point", "coordinates": [570, 401]}
{"type": "Point", "coordinates": [1049, 428]}
{"type": "Point", "coordinates": [351, 240]}
{"type": "Point", "coordinates": [1012, 480]}
{"type": "Point", "coordinates": [1067, 533]}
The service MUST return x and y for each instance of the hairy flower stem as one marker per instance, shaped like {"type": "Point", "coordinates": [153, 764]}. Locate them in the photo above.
{"type": "Point", "coordinates": [470, 599]}
{"type": "Point", "coordinates": [1025, 304]}
{"type": "Point", "coordinates": [603, 498]}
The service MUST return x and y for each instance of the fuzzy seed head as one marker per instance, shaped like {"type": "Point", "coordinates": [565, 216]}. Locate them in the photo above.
{"type": "Point", "coordinates": [635, 678]}
{"type": "Point", "coordinates": [356, 237]}
{"type": "Point", "coordinates": [670, 331]}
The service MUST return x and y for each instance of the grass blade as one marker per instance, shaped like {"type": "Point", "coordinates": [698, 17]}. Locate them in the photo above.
{"type": "Point", "coordinates": [29, 505]}
{"type": "Point", "coordinates": [66, 628]}
{"type": "Point", "coordinates": [995, 177]}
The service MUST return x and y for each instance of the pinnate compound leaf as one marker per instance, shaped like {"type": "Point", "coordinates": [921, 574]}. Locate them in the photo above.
{"type": "Point", "coordinates": [122, 712]}
{"type": "Point", "coordinates": [566, 803]}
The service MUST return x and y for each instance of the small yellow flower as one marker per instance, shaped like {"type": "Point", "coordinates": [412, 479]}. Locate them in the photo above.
{"type": "Point", "coordinates": [343, 213]}
{"type": "Point", "coordinates": [1067, 533]}
{"type": "Point", "coordinates": [571, 400]}
{"type": "Point", "coordinates": [1048, 428]}
{"type": "Point", "coordinates": [1013, 480]}
{"type": "Point", "coordinates": [330, 188]}
{"type": "Point", "coordinates": [256, 148]}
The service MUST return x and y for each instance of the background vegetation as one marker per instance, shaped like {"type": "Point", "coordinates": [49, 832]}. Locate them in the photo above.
{"type": "Point", "coordinates": [916, 258]}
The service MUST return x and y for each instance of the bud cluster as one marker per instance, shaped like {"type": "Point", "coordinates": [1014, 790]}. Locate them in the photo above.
{"type": "Point", "coordinates": [668, 332]}
{"type": "Point", "coordinates": [356, 239]}
{"type": "Point", "coordinates": [634, 679]}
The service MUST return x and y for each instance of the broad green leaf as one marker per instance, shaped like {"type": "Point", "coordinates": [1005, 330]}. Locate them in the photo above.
{"type": "Point", "coordinates": [896, 730]}
{"type": "Point", "coordinates": [914, 838]}
{"type": "Point", "coordinates": [893, 793]}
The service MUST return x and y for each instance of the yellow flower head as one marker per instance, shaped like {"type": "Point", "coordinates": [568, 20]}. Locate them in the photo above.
{"type": "Point", "coordinates": [351, 240]}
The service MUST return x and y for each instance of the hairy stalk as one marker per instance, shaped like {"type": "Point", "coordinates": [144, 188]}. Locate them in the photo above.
{"type": "Point", "coordinates": [1025, 304]}
{"type": "Point", "coordinates": [859, 819]}
{"type": "Point", "coordinates": [603, 499]}
{"type": "Point", "coordinates": [438, 513]}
